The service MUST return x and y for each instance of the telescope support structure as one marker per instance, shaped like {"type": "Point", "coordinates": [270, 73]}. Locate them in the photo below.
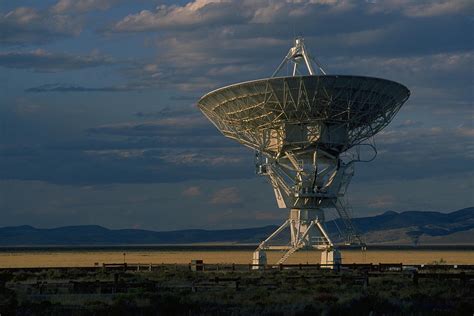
{"type": "Point", "coordinates": [307, 182]}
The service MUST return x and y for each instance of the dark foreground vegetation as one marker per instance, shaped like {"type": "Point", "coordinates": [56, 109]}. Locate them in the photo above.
{"type": "Point", "coordinates": [175, 290]}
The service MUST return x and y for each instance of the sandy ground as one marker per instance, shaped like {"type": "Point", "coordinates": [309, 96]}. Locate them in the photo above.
{"type": "Point", "coordinates": [90, 258]}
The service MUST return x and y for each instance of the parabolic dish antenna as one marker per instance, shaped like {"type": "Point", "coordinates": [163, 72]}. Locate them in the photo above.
{"type": "Point", "coordinates": [301, 126]}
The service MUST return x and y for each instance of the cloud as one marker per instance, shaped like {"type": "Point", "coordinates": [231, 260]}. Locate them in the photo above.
{"type": "Point", "coordinates": [81, 6]}
{"type": "Point", "coordinates": [251, 43]}
{"type": "Point", "coordinates": [191, 191]}
{"type": "Point", "coordinates": [382, 202]}
{"type": "Point", "coordinates": [226, 196]}
{"type": "Point", "coordinates": [140, 165]}
{"type": "Point", "coordinates": [228, 56]}
{"type": "Point", "coordinates": [428, 136]}
{"type": "Point", "coordinates": [437, 80]}
{"type": "Point", "coordinates": [417, 152]}
{"type": "Point", "coordinates": [177, 145]}
{"type": "Point", "coordinates": [414, 8]}
{"type": "Point", "coordinates": [188, 65]}
{"type": "Point", "coordinates": [169, 75]}
{"type": "Point", "coordinates": [268, 216]}
{"type": "Point", "coordinates": [26, 25]}
{"type": "Point", "coordinates": [236, 13]}
{"type": "Point", "coordinates": [61, 87]}
{"type": "Point", "coordinates": [442, 63]}
{"type": "Point", "coordinates": [168, 126]}
{"type": "Point", "coordinates": [436, 8]}
{"type": "Point", "coordinates": [429, 193]}
{"type": "Point", "coordinates": [158, 206]}
{"type": "Point", "coordinates": [199, 12]}
{"type": "Point", "coordinates": [170, 111]}
{"type": "Point", "coordinates": [215, 13]}
{"type": "Point", "coordinates": [43, 61]}
{"type": "Point", "coordinates": [409, 124]}
{"type": "Point", "coordinates": [467, 131]}
{"type": "Point", "coordinates": [203, 159]}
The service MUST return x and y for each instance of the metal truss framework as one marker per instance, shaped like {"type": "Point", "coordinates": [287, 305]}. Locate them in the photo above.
{"type": "Point", "coordinates": [300, 126]}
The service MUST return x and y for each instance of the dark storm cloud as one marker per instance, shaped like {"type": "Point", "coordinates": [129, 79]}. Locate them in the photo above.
{"type": "Point", "coordinates": [43, 61]}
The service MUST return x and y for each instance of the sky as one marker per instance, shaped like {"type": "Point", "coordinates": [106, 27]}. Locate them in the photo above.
{"type": "Point", "coordinates": [99, 124]}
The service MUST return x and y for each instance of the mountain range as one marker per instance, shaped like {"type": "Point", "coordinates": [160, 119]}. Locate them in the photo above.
{"type": "Point", "coordinates": [389, 228]}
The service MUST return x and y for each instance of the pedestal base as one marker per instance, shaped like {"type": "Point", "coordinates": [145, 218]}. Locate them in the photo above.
{"type": "Point", "coordinates": [330, 259]}
{"type": "Point", "coordinates": [259, 260]}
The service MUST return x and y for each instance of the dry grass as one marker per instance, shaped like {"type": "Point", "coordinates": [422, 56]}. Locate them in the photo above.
{"type": "Point", "coordinates": [89, 258]}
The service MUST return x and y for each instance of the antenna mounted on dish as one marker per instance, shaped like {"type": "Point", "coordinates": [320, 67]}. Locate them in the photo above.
{"type": "Point", "coordinates": [299, 55]}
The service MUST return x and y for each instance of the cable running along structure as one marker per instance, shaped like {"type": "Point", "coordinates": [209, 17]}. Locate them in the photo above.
{"type": "Point", "coordinates": [302, 127]}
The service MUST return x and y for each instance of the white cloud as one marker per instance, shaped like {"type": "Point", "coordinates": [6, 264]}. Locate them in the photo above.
{"type": "Point", "coordinates": [204, 13]}
{"type": "Point", "coordinates": [194, 13]}
{"type": "Point", "coordinates": [200, 13]}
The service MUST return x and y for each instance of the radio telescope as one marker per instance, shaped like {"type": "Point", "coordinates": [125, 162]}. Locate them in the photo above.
{"type": "Point", "coordinates": [302, 127]}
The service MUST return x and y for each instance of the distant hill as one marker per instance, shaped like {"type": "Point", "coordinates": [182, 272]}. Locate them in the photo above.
{"type": "Point", "coordinates": [388, 228]}
{"type": "Point", "coordinates": [97, 235]}
{"type": "Point", "coordinates": [417, 227]}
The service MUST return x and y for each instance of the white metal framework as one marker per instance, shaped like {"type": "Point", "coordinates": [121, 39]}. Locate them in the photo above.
{"type": "Point", "coordinates": [300, 126]}
{"type": "Point", "coordinates": [299, 55]}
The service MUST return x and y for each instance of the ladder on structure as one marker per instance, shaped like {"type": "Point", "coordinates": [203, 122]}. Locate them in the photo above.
{"type": "Point", "coordinates": [350, 231]}
{"type": "Point", "coordinates": [287, 255]}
